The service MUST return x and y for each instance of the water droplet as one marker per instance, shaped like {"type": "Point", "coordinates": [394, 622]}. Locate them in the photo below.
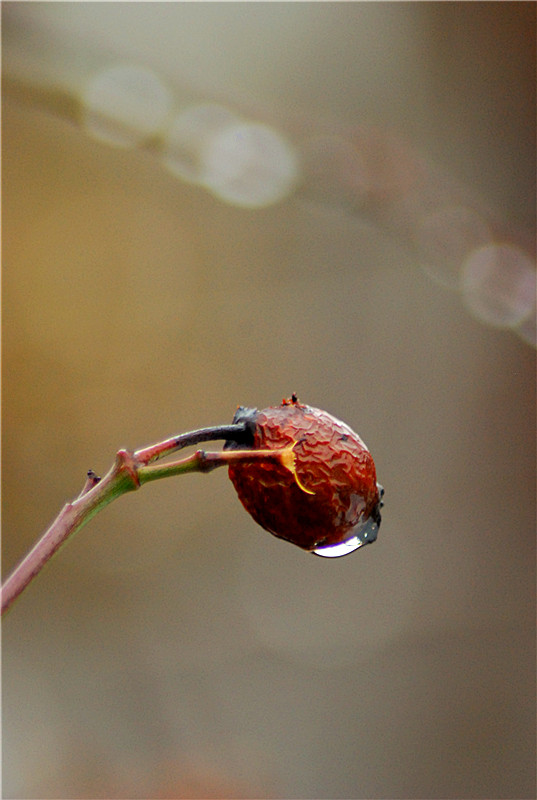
{"type": "Point", "coordinates": [367, 533]}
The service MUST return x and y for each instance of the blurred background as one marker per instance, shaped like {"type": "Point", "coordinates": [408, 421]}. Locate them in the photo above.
{"type": "Point", "coordinates": [207, 205]}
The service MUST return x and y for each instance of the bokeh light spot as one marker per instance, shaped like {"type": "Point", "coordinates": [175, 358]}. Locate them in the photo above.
{"type": "Point", "coordinates": [249, 165]}
{"type": "Point", "coordinates": [125, 105]}
{"type": "Point", "coordinates": [499, 285]}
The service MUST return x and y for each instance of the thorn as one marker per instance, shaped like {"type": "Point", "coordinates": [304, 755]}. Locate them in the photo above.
{"type": "Point", "coordinates": [92, 479]}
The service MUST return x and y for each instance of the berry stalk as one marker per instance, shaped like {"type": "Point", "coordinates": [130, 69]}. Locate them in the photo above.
{"type": "Point", "coordinates": [129, 471]}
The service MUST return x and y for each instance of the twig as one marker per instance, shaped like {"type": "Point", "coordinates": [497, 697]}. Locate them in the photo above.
{"type": "Point", "coordinates": [130, 471]}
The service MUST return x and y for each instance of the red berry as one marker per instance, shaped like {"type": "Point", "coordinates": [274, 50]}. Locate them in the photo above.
{"type": "Point", "coordinates": [334, 499]}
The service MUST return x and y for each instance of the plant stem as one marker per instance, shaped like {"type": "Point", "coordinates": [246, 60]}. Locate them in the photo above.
{"type": "Point", "coordinates": [201, 461]}
{"type": "Point", "coordinates": [129, 472]}
{"type": "Point", "coordinates": [237, 432]}
{"type": "Point", "coordinates": [94, 497]}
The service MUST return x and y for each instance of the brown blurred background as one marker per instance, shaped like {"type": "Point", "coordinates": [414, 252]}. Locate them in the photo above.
{"type": "Point", "coordinates": [174, 649]}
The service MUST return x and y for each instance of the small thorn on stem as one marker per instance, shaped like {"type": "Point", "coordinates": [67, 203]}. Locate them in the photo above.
{"type": "Point", "coordinates": [92, 479]}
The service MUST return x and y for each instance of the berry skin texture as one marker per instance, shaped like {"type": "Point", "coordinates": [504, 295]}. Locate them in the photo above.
{"type": "Point", "coordinates": [334, 497]}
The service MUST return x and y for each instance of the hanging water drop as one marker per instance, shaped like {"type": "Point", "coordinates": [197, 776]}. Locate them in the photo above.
{"type": "Point", "coordinates": [367, 534]}
{"type": "Point", "coordinates": [338, 550]}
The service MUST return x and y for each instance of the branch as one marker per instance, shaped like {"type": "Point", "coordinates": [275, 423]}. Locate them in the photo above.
{"type": "Point", "coordinates": [130, 471]}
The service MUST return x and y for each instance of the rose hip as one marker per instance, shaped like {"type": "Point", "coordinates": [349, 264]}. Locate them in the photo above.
{"type": "Point", "coordinates": [331, 505]}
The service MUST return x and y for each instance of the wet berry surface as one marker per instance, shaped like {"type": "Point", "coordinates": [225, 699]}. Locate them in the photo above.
{"type": "Point", "coordinates": [335, 498]}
